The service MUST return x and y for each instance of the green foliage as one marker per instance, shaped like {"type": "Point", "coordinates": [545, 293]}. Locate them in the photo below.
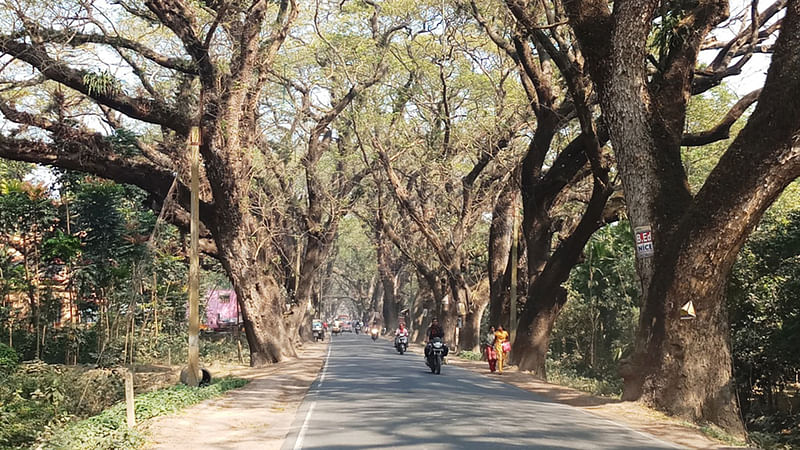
{"type": "Point", "coordinates": [564, 373]}
{"type": "Point", "coordinates": [61, 247]}
{"type": "Point", "coordinates": [721, 435]}
{"type": "Point", "coordinates": [219, 347]}
{"type": "Point", "coordinates": [765, 327]}
{"type": "Point", "coordinates": [470, 355]}
{"type": "Point", "coordinates": [124, 142]}
{"type": "Point", "coordinates": [103, 83]}
{"type": "Point", "coordinates": [39, 396]}
{"type": "Point", "coordinates": [596, 328]}
{"type": "Point", "coordinates": [775, 432]}
{"type": "Point", "coordinates": [8, 360]}
{"type": "Point", "coordinates": [108, 430]}
{"type": "Point", "coordinates": [24, 208]}
{"type": "Point", "coordinates": [670, 32]}
{"type": "Point", "coordinates": [702, 114]}
{"type": "Point", "coordinates": [14, 170]}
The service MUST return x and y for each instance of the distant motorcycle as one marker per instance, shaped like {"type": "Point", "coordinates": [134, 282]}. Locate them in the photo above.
{"type": "Point", "coordinates": [374, 333]}
{"type": "Point", "coordinates": [401, 344]}
{"type": "Point", "coordinates": [436, 352]}
{"type": "Point", "coordinates": [357, 328]}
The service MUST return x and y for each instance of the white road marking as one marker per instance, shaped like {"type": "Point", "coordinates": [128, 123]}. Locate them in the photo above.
{"type": "Point", "coordinates": [325, 367]}
{"type": "Point", "coordinates": [302, 435]}
{"type": "Point", "coordinates": [298, 444]}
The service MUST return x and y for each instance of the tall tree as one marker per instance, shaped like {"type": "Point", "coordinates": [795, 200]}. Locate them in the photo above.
{"type": "Point", "coordinates": [555, 179]}
{"type": "Point", "coordinates": [684, 367]}
{"type": "Point", "coordinates": [173, 58]}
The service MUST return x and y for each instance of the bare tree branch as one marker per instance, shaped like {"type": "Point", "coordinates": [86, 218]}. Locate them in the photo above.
{"type": "Point", "coordinates": [722, 130]}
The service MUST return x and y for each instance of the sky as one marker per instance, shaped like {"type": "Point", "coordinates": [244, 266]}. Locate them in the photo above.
{"type": "Point", "coordinates": [755, 71]}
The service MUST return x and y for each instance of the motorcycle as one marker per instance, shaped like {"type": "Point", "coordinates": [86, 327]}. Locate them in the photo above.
{"type": "Point", "coordinates": [401, 344]}
{"type": "Point", "coordinates": [374, 333]}
{"type": "Point", "coordinates": [436, 352]}
{"type": "Point", "coordinates": [357, 328]}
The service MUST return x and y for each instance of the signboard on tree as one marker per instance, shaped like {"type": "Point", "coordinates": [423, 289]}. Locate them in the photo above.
{"type": "Point", "coordinates": [644, 242]}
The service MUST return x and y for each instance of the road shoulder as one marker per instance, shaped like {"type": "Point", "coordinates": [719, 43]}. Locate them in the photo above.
{"type": "Point", "coordinates": [633, 415]}
{"type": "Point", "coordinates": [258, 415]}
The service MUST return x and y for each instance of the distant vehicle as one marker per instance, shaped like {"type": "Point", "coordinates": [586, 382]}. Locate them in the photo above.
{"type": "Point", "coordinates": [336, 328]}
{"type": "Point", "coordinates": [317, 330]}
{"type": "Point", "coordinates": [347, 326]}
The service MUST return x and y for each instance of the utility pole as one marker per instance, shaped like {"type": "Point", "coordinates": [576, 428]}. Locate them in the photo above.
{"type": "Point", "coordinates": [192, 378]}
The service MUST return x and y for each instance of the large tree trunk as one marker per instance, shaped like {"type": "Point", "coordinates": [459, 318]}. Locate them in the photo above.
{"type": "Point", "coordinates": [260, 300]}
{"type": "Point", "coordinates": [259, 294]}
{"type": "Point", "coordinates": [419, 319]}
{"type": "Point", "coordinates": [316, 251]}
{"type": "Point", "coordinates": [388, 273]}
{"type": "Point", "coordinates": [470, 334]}
{"type": "Point", "coordinates": [376, 305]}
{"type": "Point", "coordinates": [390, 306]}
{"type": "Point", "coordinates": [684, 367]}
{"type": "Point", "coordinates": [500, 235]}
{"type": "Point", "coordinates": [459, 294]}
{"type": "Point", "coordinates": [546, 296]}
{"type": "Point", "coordinates": [529, 350]}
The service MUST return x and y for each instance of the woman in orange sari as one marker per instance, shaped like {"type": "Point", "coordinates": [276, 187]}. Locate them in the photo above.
{"type": "Point", "coordinates": [500, 336]}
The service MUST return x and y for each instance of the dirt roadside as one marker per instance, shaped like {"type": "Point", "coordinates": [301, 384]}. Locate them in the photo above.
{"type": "Point", "coordinates": [630, 414]}
{"type": "Point", "coordinates": [260, 414]}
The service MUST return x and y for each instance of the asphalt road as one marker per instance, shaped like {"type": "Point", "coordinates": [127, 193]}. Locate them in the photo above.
{"type": "Point", "coordinates": [369, 396]}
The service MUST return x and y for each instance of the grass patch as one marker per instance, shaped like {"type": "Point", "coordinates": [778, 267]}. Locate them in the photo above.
{"type": "Point", "coordinates": [470, 355]}
{"type": "Point", "coordinates": [566, 376]}
{"type": "Point", "coordinates": [719, 434]}
{"type": "Point", "coordinates": [108, 430]}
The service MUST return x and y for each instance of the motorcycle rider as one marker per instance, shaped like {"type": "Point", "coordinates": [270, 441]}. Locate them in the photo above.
{"type": "Point", "coordinates": [434, 331]}
{"type": "Point", "coordinates": [401, 330]}
{"type": "Point", "coordinates": [374, 330]}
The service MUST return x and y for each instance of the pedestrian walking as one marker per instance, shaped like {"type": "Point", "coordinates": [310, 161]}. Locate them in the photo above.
{"type": "Point", "coordinates": [491, 354]}
{"type": "Point", "coordinates": [502, 346]}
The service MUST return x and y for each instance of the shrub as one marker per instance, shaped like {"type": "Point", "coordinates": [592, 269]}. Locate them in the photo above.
{"type": "Point", "coordinates": [39, 396]}
{"type": "Point", "coordinates": [9, 361]}
{"type": "Point", "coordinates": [214, 346]}
{"type": "Point", "coordinates": [472, 356]}
{"type": "Point", "coordinates": [109, 430]}
{"type": "Point", "coordinates": [565, 375]}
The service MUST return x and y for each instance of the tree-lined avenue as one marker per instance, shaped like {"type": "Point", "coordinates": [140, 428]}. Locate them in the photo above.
{"type": "Point", "coordinates": [369, 396]}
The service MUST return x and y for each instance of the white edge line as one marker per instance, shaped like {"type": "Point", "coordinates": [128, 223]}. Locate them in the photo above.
{"type": "Point", "coordinates": [298, 444]}
{"type": "Point", "coordinates": [302, 435]}
{"type": "Point", "coordinates": [325, 367]}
